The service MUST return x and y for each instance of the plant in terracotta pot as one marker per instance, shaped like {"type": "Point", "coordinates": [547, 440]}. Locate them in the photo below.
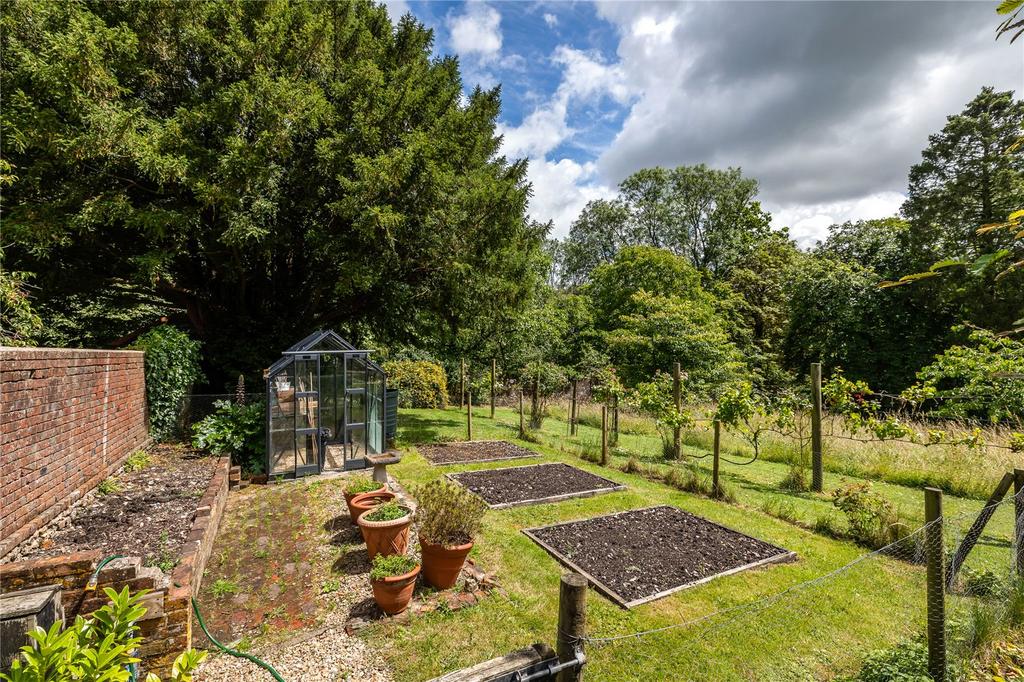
{"type": "Point", "coordinates": [364, 502]}
{"type": "Point", "coordinates": [386, 529]}
{"type": "Point", "coordinates": [359, 485]}
{"type": "Point", "coordinates": [449, 517]}
{"type": "Point", "coordinates": [393, 578]}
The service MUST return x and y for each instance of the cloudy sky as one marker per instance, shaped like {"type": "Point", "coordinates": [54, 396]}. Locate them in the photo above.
{"type": "Point", "coordinates": [826, 103]}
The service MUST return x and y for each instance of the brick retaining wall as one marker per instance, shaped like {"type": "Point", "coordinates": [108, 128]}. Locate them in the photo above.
{"type": "Point", "coordinates": [167, 624]}
{"type": "Point", "coordinates": [68, 419]}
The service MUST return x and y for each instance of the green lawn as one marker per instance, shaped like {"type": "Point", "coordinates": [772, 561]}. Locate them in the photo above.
{"type": "Point", "coordinates": [822, 629]}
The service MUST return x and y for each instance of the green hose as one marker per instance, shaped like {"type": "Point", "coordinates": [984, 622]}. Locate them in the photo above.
{"type": "Point", "coordinates": [237, 654]}
{"type": "Point", "coordinates": [95, 577]}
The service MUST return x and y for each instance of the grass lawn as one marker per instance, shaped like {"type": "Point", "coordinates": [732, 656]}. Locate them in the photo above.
{"type": "Point", "coordinates": [813, 633]}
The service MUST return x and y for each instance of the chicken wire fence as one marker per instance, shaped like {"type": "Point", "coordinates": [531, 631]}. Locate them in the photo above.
{"type": "Point", "coordinates": [872, 611]}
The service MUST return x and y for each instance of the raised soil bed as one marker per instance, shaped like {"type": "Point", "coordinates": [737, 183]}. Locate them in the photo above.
{"type": "Point", "coordinates": [473, 451]}
{"type": "Point", "coordinates": [533, 484]}
{"type": "Point", "coordinates": [637, 556]}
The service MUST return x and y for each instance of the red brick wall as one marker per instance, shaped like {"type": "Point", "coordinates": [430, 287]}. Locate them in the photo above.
{"type": "Point", "coordinates": [68, 419]}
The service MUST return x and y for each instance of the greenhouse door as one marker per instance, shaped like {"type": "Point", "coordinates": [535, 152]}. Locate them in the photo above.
{"type": "Point", "coordinates": [355, 412]}
{"type": "Point", "coordinates": [307, 415]}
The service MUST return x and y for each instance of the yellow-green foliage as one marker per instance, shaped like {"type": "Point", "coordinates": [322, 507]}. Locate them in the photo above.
{"type": "Point", "coordinates": [420, 383]}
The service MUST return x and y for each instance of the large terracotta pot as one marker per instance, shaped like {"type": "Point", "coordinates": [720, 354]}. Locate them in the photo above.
{"type": "Point", "coordinates": [386, 537]}
{"type": "Point", "coordinates": [394, 593]}
{"type": "Point", "coordinates": [442, 565]}
{"type": "Point", "coordinates": [365, 501]}
{"type": "Point", "coordinates": [351, 496]}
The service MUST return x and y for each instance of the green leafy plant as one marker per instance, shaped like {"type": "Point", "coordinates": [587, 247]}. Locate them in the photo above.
{"type": "Point", "coordinates": [222, 587]}
{"type": "Point", "coordinates": [109, 486]}
{"type": "Point", "coordinates": [448, 514]}
{"type": "Point", "coordinates": [979, 582]}
{"type": "Point", "coordinates": [872, 519]}
{"type": "Point", "coordinates": [172, 367]}
{"type": "Point", "coordinates": [391, 565]}
{"type": "Point", "coordinates": [94, 649]}
{"type": "Point", "coordinates": [361, 484]}
{"type": "Point", "coordinates": [137, 461]}
{"type": "Point", "coordinates": [655, 399]}
{"type": "Point", "coordinates": [906, 662]}
{"type": "Point", "coordinates": [420, 383]}
{"type": "Point", "coordinates": [235, 430]}
{"type": "Point", "coordinates": [389, 511]}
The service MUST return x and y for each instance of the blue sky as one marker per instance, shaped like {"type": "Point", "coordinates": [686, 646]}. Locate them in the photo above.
{"type": "Point", "coordinates": [826, 103]}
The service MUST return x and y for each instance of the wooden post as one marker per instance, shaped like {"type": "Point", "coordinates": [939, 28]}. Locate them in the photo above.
{"type": "Point", "coordinates": [1018, 515]}
{"type": "Point", "coordinates": [816, 468]}
{"type": "Point", "coordinates": [494, 374]}
{"type": "Point", "coordinates": [604, 435]}
{"type": "Point", "coordinates": [716, 489]}
{"type": "Point", "coordinates": [469, 415]}
{"type": "Point", "coordinates": [572, 624]}
{"type": "Point", "coordinates": [572, 410]}
{"type": "Point", "coordinates": [535, 406]}
{"type": "Point", "coordinates": [615, 419]}
{"type": "Point", "coordinates": [522, 424]}
{"type": "Point", "coordinates": [677, 398]}
{"type": "Point", "coordinates": [462, 383]}
{"type": "Point", "coordinates": [936, 584]}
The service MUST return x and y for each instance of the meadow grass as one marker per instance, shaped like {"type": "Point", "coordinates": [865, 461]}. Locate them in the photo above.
{"type": "Point", "coordinates": [814, 633]}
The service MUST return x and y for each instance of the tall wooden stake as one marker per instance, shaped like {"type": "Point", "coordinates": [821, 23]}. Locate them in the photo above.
{"type": "Point", "coordinates": [522, 423]}
{"type": "Point", "coordinates": [677, 397]}
{"type": "Point", "coordinates": [469, 415]}
{"type": "Point", "coordinates": [462, 383]}
{"type": "Point", "coordinates": [615, 419]}
{"type": "Point", "coordinates": [716, 489]}
{"type": "Point", "coordinates": [494, 373]}
{"type": "Point", "coordinates": [936, 590]}
{"type": "Point", "coordinates": [572, 410]}
{"type": "Point", "coordinates": [572, 624]}
{"type": "Point", "coordinates": [816, 467]}
{"type": "Point", "coordinates": [604, 435]}
{"type": "Point", "coordinates": [1018, 526]}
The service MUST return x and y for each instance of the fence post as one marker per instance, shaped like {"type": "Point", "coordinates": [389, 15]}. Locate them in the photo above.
{"type": "Point", "coordinates": [677, 397]}
{"type": "Point", "coordinates": [469, 415]}
{"type": "Point", "coordinates": [716, 489]}
{"type": "Point", "coordinates": [572, 410]}
{"type": "Point", "coordinates": [522, 424]}
{"type": "Point", "coordinates": [572, 624]}
{"type": "Point", "coordinates": [816, 468]}
{"type": "Point", "coordinates": [604, 435]}
{"type": "Point", "coordinates": [615, 419]}
{"type": "Point", "coordinates": [494, 372]}
{"type": "Point", "coordinates": [1018, 515]}
{"type": "Point", "coordinates": [936, 583]}
{"type": "Point", "coordinates": [462, 382]}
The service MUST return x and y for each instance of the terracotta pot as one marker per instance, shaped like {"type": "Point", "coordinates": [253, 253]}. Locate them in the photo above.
{"type": "Point", "coordinates": [351, 496]}
{"type": "Point", "coordinates": [442, 565]}
{"type": "Point", "coordinates": [386, 537]}
{"type": "Point", "coordinates": [364, 501]}
{"type": "Point", "coordinates": [394, 593]}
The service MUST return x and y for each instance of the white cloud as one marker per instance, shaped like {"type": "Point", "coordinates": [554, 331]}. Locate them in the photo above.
{"type": "Point", "coordinates": [396, 9]}
{"type": "Point", "coordinates": [550, 19]}
{"type": "Point", "coordinates": [476, 32]}
{"type": "Point", "coordinates": [585, 75]}
{"type": "Point", "coordinates": [809, 223]}
{"type": "Point", "coordinates": [561, 189]}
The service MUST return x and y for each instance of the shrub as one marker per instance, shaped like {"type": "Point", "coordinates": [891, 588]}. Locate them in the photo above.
{"type": "Point", "coordinates": [391, 565]}
{"type": "Point", "coordinates": [872, 519]}
{"type": "Point", "coordinates": [235, 430]}
{"type": "Point", "coordinates": [795, 479]}
{"type": "Point", "coordinates": [979, 582]}
{"type": "Point", "coordinates": [389, 511]}
{"type": "Point", "coordinates": [361, 484]}
{"type": "Point", "coordinates": [172, 367]}
{"type": "Point", "coordinates": [420, 383]}
{"type": "Point", "coordinates": [96, 648]}
{"type": "Point", "coordinates": [906, 662]}
{"type": "Point", "coordinates": [448, 514]}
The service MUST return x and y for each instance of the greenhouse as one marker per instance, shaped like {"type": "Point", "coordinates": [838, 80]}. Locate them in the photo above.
{"type": "Point", "coordinates": [325, 407]}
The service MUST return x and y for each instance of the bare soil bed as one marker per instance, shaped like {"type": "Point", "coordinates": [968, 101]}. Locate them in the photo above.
{"type": "Point", "coordinates": [473, 451]}
{"type": "Point", "coordinates": [513, 486]}
{"type": "Point", "coordinates": [635, 556]}
{"type": "Point", "coordinates": [149, 514]}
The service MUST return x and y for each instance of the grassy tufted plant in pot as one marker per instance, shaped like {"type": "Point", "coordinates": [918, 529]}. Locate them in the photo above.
{"type": "Point", "coordinates": [386, 529]}
{"type": "Point", "coordinates": [393, 579]}
{"type": "Point", "coordinates": [449, 518]}
{"type": "Point", "coordinates": [360, 485]}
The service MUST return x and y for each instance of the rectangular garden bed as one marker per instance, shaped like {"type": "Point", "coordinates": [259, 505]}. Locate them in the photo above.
{"type": "Point", "coordinates": [473, 451]}
{"type": "Point", "coordinates": [533, 484]}
{"type": "Point", "coordinates": [634, 557]}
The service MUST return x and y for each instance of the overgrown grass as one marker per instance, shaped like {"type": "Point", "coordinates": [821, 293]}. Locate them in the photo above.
{"type": "Point", "coordinates": [873, 607]}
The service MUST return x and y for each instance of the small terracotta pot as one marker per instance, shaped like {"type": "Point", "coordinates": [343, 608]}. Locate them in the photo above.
{"type": "Point", "coordinates": [351, 496]}
{"type": "Point", "coordinates": [386, 537]}
{"type": "Point", "coordinates": [364, 501]}
{"type": "Point", "coordinates": [394, 593]}
{"type": "Point", "coordinates": [442, 565]}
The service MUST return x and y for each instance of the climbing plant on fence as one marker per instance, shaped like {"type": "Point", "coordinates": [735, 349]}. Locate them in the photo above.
{"type": "Point", "coordinates": [172, 367]}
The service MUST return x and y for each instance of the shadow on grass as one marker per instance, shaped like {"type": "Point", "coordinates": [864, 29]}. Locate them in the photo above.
{"type": "Point", "coordinates": [416, 429]}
